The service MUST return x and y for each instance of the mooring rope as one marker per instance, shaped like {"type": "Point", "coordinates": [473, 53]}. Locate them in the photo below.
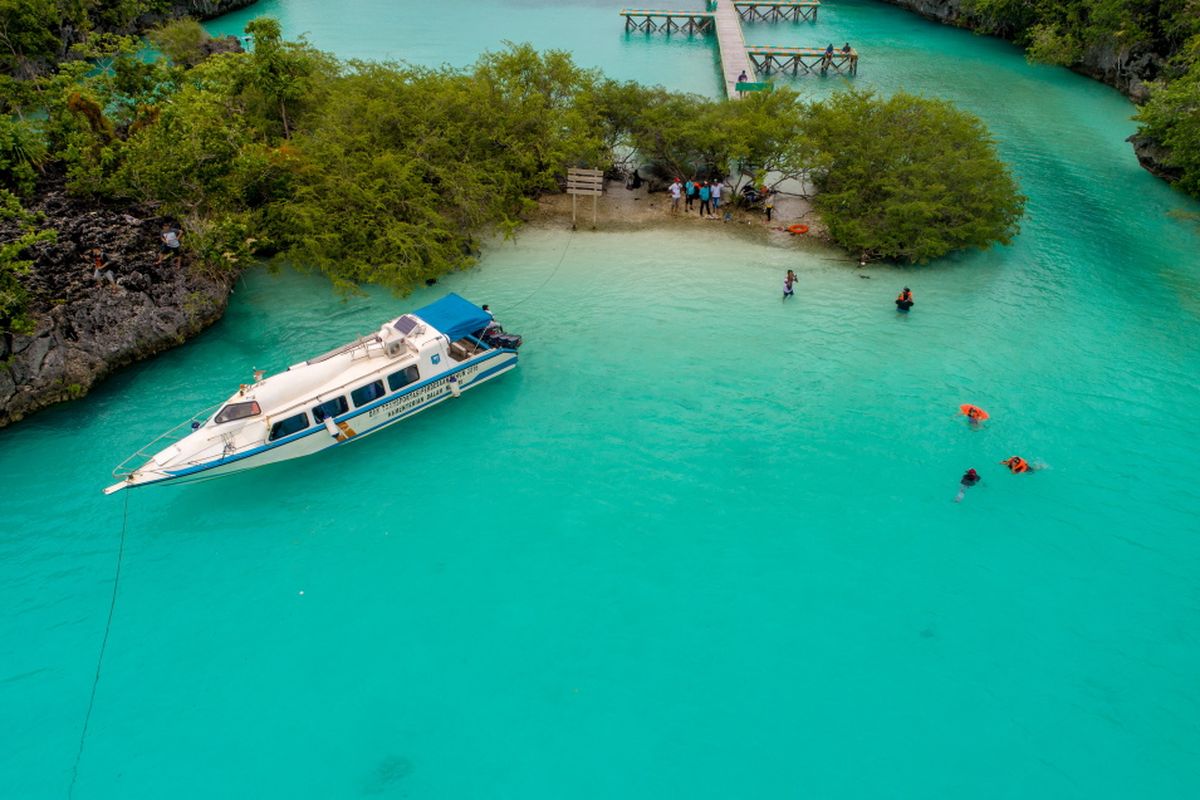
{"type": "Point", "coordinates": [87, 718]}
{"type": "Point", "coordinates": [561, 259]}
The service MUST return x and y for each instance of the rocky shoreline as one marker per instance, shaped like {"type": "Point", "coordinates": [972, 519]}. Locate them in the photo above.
{"type": "Point", "coordinates": [85, 328]}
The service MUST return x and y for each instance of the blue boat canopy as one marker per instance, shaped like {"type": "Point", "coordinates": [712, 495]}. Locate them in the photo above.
{"type": "Point", "coordinates": [454, 316]}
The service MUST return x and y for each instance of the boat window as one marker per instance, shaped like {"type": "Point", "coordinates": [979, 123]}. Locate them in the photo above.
{"type": "Point", "coordinates": [365, 394]}
{"type": "Point", "coordinates": [237, 411]}
{"type": "Point", "coordinates": [330, 408]}
{"type": "Point", "coordinates": [404, 377]}
{"type": "Point", "coordinates": [286, 427]}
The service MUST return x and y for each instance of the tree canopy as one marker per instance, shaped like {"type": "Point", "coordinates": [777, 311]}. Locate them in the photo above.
{"type": "Point", "coordinates": [909, 177]}
{"type": "Point", "coordinates": [386, 172]}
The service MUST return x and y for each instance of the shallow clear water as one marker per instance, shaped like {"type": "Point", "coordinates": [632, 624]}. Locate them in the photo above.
{"type": "Point", "coordinates": [702, 543]}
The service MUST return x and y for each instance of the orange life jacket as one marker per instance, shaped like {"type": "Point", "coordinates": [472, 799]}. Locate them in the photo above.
{"type": "Point", "coordinates": [1017, 464]}
{"type": "Point", "coordinates": [904, 297]}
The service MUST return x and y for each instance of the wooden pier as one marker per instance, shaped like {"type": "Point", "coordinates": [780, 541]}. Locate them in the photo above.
{"type": "Point", "coordinates": [804, 60]}
{"type": "Point", "coordinates": [777, 10]}
{"type": "Point", "coordinates": [725, 17]}
{"type": "Point", "coordinates": [653, 21]}
{"type": "Point", "coordinates": [732, 46]}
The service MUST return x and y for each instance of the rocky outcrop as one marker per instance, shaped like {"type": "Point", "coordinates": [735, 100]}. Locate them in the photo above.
{"type": "Point", "coordinates": [1154, 158]}
{"type": "Point", "coordinates": [88, 327]}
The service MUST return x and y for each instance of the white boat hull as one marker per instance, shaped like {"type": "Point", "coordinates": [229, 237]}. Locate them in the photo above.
{"type": "Point", "coordinates": [355, 424]}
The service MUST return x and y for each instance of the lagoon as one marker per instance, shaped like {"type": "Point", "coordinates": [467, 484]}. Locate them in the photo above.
{"type": "Point", "coordinates": [701, 543]}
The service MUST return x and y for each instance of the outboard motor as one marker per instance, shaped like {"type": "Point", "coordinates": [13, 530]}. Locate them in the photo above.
{"type": "Point", "coordinates": [496, 337]}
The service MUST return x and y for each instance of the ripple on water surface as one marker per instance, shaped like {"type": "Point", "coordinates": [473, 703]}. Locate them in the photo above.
{"type": "Point", "coordinates": [702, 541]}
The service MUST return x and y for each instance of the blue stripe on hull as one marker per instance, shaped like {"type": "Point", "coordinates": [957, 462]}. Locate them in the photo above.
{"type": "Point", "coordinates": [359, 412]}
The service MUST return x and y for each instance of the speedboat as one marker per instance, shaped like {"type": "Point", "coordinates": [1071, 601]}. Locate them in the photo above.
{"type": "Point", "coordinates": [412, 363]}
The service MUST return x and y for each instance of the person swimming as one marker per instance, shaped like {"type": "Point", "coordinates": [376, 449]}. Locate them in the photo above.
{"type": "Point", "coordinates": [970, 478]}
{"type": "Point", "coordinates": [975, 415]}
{"type": "Point", "coordinates": [1016, 465]}
{"type": "Point", "coordinates": [905, 301]}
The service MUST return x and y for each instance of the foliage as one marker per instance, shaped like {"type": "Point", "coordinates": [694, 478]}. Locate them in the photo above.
{"type": "Point", "coordinates": [909, 178]}
{"type": "Point", "coordinates": [22, 154]}
{"type": "Point", "coordinates": [14, 298]}
{"type": "Point", "coordinates": [1163, 25]}
{"type": "Point", "coordinates": [280, 72]}
{"type": "Point", "coordinates": [411, 161]}
{"type": "Point", "coordinates": [34, 33]}
{"type": "Point", "coordinates": [181, 40]}
{"type": "Point", "coordinates": [385, 173]}
{"type": "Point", "coordinates": [1172, 117]}
{"type": "Point", "coordinates": [1145, 32]}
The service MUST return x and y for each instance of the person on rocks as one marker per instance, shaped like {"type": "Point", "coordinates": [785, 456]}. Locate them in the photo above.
{"type": "Point", "coordinates": [99, 273]}
{"type": "Point", "coordinates": [705, 193]}
{"type": "Point", "coordinates": [676, 189]}
{"type": "Point", "coordinates": [168, 242]}
{"type": "Point", "coordinates": [693, 193]}
{"type": "Point", "coordinates": [768, 202]}
{"type": "Point", "coordinates": [715, 189]}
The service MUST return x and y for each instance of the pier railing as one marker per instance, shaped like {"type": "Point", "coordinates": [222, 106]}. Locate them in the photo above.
{"type": "Point", "coordinates": [803, 60]}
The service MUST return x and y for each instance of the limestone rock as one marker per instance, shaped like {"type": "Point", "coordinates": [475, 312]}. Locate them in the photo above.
{"type": "Point", "coordinates": [87, 328]}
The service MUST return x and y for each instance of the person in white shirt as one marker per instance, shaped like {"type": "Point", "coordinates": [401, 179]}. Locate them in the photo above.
{"type": "Point", "coordinates": [676, 190]}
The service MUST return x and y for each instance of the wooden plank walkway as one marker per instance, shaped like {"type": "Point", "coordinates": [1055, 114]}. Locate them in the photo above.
{"type": "Point", "coordinates": [776, 10]}
{"type": "Point", "coordinates": [732, 45]}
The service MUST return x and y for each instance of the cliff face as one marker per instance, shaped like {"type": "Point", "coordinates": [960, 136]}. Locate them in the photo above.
{"type": "Point", "coordinates": [88, 327]}
{"type": "Point", "coordinates": [1129, 72]}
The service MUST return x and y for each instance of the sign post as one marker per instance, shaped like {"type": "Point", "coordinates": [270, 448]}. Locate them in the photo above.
{"type": "Point", "coordinates": [584, 182]}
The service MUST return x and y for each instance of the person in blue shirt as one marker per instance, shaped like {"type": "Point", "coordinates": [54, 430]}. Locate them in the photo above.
{"type": "Point", "coordinates": [705, 194]}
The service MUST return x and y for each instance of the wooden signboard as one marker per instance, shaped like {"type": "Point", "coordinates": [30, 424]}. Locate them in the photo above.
{"type": "Point", "coordinates": [584, 182]}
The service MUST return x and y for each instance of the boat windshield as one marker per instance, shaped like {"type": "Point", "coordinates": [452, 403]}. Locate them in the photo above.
{"type": "Point", "coordinates": [237, 411]}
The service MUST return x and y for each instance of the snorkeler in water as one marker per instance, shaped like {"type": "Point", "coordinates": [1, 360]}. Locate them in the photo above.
{"type": "Point", "coordinates": [970, 478]}
{"type": "Point", "coordinates": [1016, 465]}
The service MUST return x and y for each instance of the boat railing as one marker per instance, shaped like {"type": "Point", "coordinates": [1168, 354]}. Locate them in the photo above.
{"type": "Point", "coordinates": [148, 450]}
{"type": "Point", "coordinates": [363, 341]}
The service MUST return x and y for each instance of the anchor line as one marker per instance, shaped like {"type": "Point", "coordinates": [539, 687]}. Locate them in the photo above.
{"type": "Point", "coordinates": [561, 259]}
{"type": "Point", "coordinates": [87, 718]}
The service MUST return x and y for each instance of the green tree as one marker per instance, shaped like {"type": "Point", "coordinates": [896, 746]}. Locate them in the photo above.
{"type": "Point", "coordinates": [280, 71]}
{"type": "Point", "coordinates": [909, 178]}
{"type": "Point", "coordinates": [14, 263]}
{"type": "Point", "coordinates": [22, 154]}
{"type": "Point", "coordinates": [181, 40]}
{"type": "Point", "coordinates": [1172, 117]}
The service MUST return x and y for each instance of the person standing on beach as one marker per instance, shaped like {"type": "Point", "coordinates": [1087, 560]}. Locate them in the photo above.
{"type": "Point", "coordinates": [716, 196]}
{"type": "Point", "coordinates": [768, 202]}
{"type": "Point", "coordinates": [676, 189]}
{"type": "Point", "coordinates": [689, 191]}
{"type": "Point", "coordinates": [705, 194]}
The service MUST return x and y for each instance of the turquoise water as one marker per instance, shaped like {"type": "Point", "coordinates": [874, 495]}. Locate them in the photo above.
{"type": "Point", "coordinates": [702, 543]}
